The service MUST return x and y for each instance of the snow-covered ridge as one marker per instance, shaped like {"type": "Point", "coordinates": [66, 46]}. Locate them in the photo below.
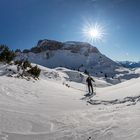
{"type": "Point", "coordinates": [79, 56]}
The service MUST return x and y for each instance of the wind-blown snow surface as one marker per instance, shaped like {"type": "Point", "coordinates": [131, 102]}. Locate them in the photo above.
{"type": "Point", "coordinates": [48, 109]}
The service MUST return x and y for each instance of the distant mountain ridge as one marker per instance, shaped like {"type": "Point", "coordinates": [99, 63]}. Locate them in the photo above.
{"type": "Point", "coordinates": [130, 64]}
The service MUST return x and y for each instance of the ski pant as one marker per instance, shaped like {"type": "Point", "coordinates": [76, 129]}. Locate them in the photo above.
{"type": "Point", "coordinates": [90, 88]}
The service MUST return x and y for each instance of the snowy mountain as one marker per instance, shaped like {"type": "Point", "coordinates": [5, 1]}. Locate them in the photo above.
{"type": "Point", "coordinates": [73, 55]}
{"type": "Point", "coordinates": [130, 64]}
{"type": "Point", "coordinates": [53, 107]}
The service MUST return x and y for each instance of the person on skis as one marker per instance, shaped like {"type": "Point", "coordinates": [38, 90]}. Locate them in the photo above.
{"type": "Point", "coordinates": [89, 81]}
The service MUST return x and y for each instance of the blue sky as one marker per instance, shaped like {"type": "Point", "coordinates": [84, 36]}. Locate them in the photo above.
{"type": "Point", "coordinates": [24, 22]}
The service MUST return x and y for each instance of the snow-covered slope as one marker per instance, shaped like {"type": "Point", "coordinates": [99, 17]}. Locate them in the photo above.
{"type": "Point", "coordinates": [79, 56]}
{"type": "Point", "coordinates": [48, 109]}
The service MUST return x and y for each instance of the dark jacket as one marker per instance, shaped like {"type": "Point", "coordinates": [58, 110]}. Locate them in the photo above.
{"type": "Point", "coordinates": [89, 80]}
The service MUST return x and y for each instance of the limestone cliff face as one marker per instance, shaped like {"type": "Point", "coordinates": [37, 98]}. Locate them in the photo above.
{"type": "Point", "coordinates": [74, 47]}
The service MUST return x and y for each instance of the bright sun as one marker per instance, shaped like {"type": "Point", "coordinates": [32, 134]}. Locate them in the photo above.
{"type": "Point", "coordinates": [93, 32]}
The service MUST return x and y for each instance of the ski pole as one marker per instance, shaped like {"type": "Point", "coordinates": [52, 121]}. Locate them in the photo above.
{"type": "Point", "coordinates": [86, 88]}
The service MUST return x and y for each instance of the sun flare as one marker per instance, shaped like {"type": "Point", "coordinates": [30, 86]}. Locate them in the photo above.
{"type": "Point", "coordinates": [93, 32]}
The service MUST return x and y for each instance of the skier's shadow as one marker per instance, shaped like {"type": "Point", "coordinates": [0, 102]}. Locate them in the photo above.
{"type": "Point", "coordinates": [87, 96]}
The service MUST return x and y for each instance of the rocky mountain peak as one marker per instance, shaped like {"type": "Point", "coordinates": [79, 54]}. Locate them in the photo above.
{"type": "Point", "coordinates": [73, 46]}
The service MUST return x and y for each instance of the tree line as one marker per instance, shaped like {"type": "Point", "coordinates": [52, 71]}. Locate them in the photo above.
{"type": "Point", "coordinates": [7, 56]}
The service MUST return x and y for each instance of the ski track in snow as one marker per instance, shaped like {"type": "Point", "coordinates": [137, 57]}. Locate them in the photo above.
{"type": "Point", "coordinates": [129, 100]}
